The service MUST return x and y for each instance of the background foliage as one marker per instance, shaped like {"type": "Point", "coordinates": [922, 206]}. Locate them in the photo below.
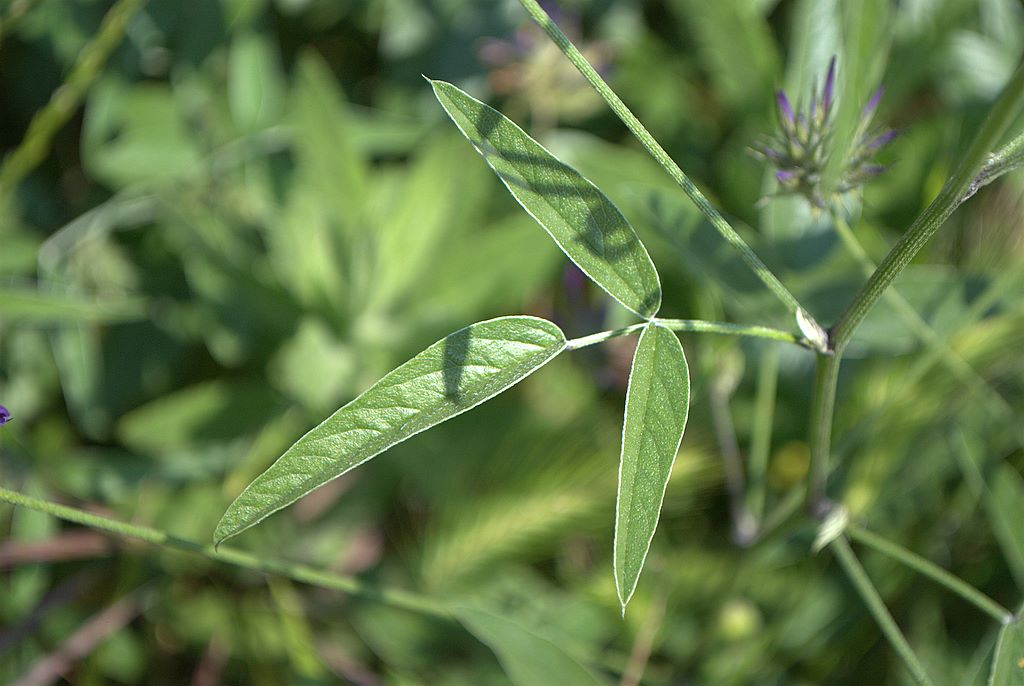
{"type": "Point", "coordinates": [258, 209]}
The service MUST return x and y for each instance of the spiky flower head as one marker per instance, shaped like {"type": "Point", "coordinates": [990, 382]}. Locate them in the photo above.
{"type": "Point", "coordinates": [799, 148]}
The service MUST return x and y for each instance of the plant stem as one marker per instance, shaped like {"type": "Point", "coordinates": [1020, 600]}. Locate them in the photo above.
{"type": "Point", "coordinates": [956, 190]}
{"type": "Point", "coordinates": [761, 431]}
{"type": "Point", "coordinates": [691, 326]}
{"type": "Point", "coordinates": [658, 153]}
{"type": "Point", "coordinates": [297, 572]}
{"type": "Point", "coordinates": [932, 571]}
{"type": "Point", "coordinates": [874, 603]}
{"type": "Point", "coordinates": [1003, 161]}
{"type": "Point", "coordinates": [66, 99]}
{"type": "Point", "coordinates": [826, 378]}
{"type": "Point", "coordinates": [744, 527]}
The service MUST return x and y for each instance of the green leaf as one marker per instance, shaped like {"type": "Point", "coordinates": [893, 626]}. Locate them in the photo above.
{"type": "Point", "coordinates": [453, 375]}
{"type": "Point", "coordinates": [528, 659]}
{"type": "Point", "coordinates": [256, 87]}
{"type": "Point", "coordinates": [1008, 662]}
{"type": "Point", "coordinates": [584, 223]}
{"type": "Point", "coordinates": [657, 402]}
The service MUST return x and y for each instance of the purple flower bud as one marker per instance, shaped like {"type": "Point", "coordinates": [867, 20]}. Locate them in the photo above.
{"type": "Point", "coordinates": [869, 108]}
{"type": "Point", "coordinates": [826, 94]}
{"type": "Point", "coordinates": [785, 176]}
{"type": "Point", "coordinates": [871, 170]}
{"type": "Point", "coordinates": [5, 415]}
{"type": "Point", "coordinates": [785, 111]}
{"type": "Point", "coordinates": [882, 139]}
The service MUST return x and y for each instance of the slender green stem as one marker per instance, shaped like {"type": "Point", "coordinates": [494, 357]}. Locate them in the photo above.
{"type": "Point", "coordinates": [761, 432]}
{"type": "Point", "coordinates": [744, 527]}
{"type": "Point", "coordinates": [932, 571]}
{"type": "Point", "coordinates": [601, 337]}
{"type": "Point", "coordinates": [66, 99]}
{"type": "Point", "coordinates": [301, 573]}
{"type": "Point", "coordinates": [1003, 161]}
{"type": "Point", "coordinates": [691, 326]}
{"type": "Point", "coordinates": [826, 378]}
{"type": "Point", "coordinates": [956, 190]}
{"type": "Point", "coordinates": [658, 153]}
{"type": "Point", "coordinates": [876, 606]}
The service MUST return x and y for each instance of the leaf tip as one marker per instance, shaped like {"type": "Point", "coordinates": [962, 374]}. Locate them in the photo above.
{"type": "Point", "coordinates": [223, 532]}
{"type": "Point", "coordinates": [623, 594]}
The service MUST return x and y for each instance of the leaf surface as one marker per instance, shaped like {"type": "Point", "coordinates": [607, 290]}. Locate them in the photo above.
{"type": "Point", "coordinates": [527, 658]}
{"type": "Point", "coordinates": [657, 403]}
{"type": "Point", "coordinates": [584, 223]}
{"type": "Point", "coordinates": [453, 375]}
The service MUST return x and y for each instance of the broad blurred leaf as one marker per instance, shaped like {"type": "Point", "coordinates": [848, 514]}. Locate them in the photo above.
{"type": "Point", "coordinates": [325, 147]}
{"type": "Point", "coordinates": [1008, 661]}
{"type": "Point", "coordinates": [657, 403]}
{"type": "Point", "coordinates": [136, 133]}
{"type": "Point", "coordinates": [25, 305]}
{"type": "Point", "coordinates": [741, 77]}
{"type": "Point", "coordinates": [579, 217]}
{"type": "Point", "coordinates": [453, 375]}
{"type": "Point", "coordinates": [528, 659]}
{"type": "Point", "coordinates": [208, 412]}
{"type": "Point", "coordinates": [256, 88]}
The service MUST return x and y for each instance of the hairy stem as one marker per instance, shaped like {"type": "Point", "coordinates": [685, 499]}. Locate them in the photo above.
{"type": "Point", "coordinates": [301, 573]}
{"type": "Point", "coordinates": [658, 153]}
{"type": "Point", "coordinates": [826, 378]}
{"type": "Point", "coordinates": [876, 606]}
{"type": "Point", "coordinates": [932, 571]}
{"type": "Point", "coordinates": [1005, 160]}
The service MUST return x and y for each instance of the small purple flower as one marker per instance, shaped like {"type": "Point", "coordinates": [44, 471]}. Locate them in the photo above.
{"type": "Point", "coordinates": [826, 95]}
{"type": "Point", "coordinates": [869, 109]}
{"type": "Point", "coordinates": [785, 111]}
{"type": "Point", "coordinates": [5, 415]}
{"type": "Point", "coordinates": [800, 149]}
{"type": "Point", "coordinates": [881, 139]}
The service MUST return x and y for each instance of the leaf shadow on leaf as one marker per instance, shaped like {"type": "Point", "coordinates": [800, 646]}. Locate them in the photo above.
{"type": "Point", "coordinates": [456, 351]}
{"type": "Point", "coordinates": [594, 239]}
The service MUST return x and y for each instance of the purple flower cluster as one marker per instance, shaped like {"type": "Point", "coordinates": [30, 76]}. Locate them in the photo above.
{"type": "Point", "coordinates": [5, 415]}
{"type": "Point", "coordinates": [799, 149]}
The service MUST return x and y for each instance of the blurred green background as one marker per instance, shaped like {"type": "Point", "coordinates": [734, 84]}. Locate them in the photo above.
{"type": "Point", "coordinates": [257, 209]}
